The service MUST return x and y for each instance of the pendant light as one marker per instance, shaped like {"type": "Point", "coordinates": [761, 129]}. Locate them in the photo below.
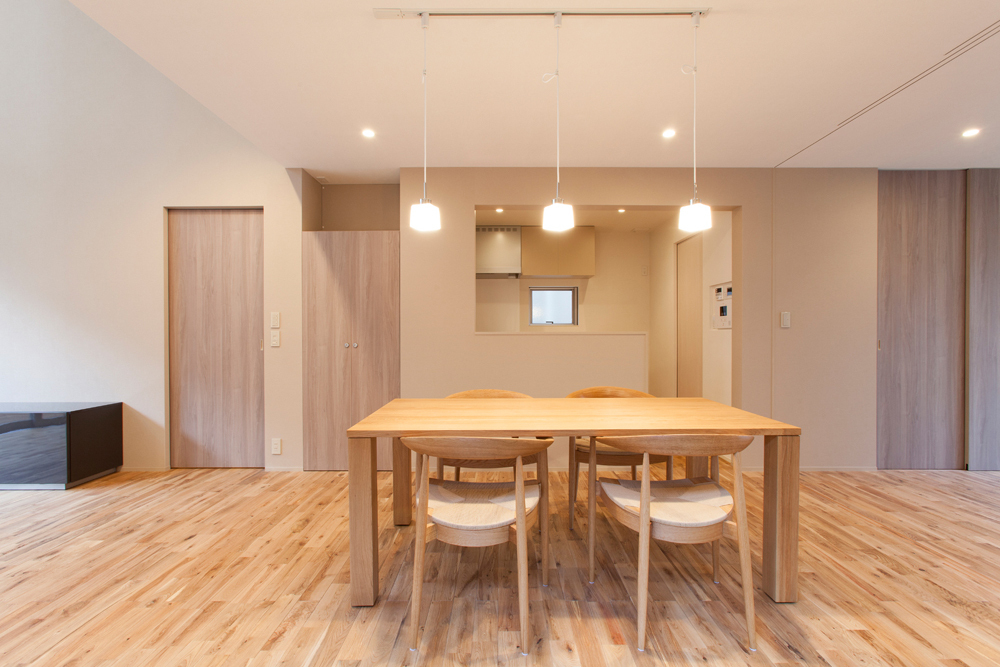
{"type": "Point", "coordinates": [696, 216]}
{"type": "Point", "coordinates": [425, 216]}
{"type": "Point", "coordinates": [557, 217]}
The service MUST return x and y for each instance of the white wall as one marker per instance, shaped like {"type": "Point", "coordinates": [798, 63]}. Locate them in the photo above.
{"type": "Point", "coordinates": [94, 144]}
{"type": "Point", "coordinates": [717, 344]}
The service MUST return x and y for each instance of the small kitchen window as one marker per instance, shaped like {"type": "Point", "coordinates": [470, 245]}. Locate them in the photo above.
{"type": "Point", "coordinates": [553, 306]}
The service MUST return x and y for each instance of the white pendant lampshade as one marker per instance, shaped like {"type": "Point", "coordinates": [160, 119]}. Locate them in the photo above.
{"type": "Point", "coordinates": [425, 216]}
{"type": "Point", "coordinates": [695, 217]}
{"type": "Point", "coordinates": [557, 217]}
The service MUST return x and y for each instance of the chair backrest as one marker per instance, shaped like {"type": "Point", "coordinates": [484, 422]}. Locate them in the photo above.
{"type": "Point", "coordinates": [609, 392]}
{"type": "Point", "coordinates": [488, 393]}
{"type": "Point", "coordinates": [476, 449]}
{"type": "Point", "coordinates": [681, 444]}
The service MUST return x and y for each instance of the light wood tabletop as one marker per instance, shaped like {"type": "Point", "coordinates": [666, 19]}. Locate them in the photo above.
{"type": "Point", "coordinates": [566, 417]}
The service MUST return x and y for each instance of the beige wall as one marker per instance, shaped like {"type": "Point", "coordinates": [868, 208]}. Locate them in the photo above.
{"type": "Point", "coordinates": [717, 344]}
{"type": "Point", "coordinates": [95, 144]}
{"type": "Point", "coordinates": [825, 275]}
{"type": "Point", "coordinates": [361, 207]}
{"type": "Point", "coordinates": [616, 298]}
{"type": "Point", "coordinates": [311, 195]}
{"type": "Point", "coordinates": [440, 352]}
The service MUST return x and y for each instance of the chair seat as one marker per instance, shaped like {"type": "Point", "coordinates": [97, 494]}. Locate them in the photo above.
{"type": "Point", "coordinates": [583, 446]}
{"type": "Point", "coordinates": [477, 505]}
{"type": "Point", "coordinates": [679, 502]}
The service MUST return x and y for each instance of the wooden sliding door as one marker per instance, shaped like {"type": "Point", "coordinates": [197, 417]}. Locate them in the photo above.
{"type": "Point", "coordinates": [921, 319]}
{"type": "Point", "coordinates": [689, 317]}
{"type": "Point", "coordinates": [984, 319]}
{"type": "Point", "coordinates": [351, 339]}
{"type": "Point", "coordinates": [216, 329]}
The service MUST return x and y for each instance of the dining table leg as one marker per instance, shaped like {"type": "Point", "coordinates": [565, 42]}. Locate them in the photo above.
{"type": "Point", "coordinates": [781, 517]}
{"type": "Point", "coordinates": [402, 493]}
{"type": "Point", "coordinates": [363, 520]}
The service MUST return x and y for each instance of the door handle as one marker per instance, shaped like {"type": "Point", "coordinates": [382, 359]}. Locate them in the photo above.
{"type": "Point", "coordinates": [261, 344]}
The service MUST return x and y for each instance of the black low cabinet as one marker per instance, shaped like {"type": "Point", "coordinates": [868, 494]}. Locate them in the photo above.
{"type": "Point", "coordinates": [58, 445]}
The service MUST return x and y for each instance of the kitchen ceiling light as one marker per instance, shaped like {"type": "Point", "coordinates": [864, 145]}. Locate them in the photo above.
{"type": "Point", "coordinates": [621, 210]}
{"type": "Point", "coordinates": [499, 210]}
{"type": "Point", "coordinates": [368, 133]}
{"type": "Point", "coordinates": [425, 216]}
{"type": "Point", "coordinates": [669, 134]}
{"type": "Point", "coordinates": [971, 133]}
{"type": "Point", "coordinates": [696, 216]}
{"type": "Point", "coordinates": [557, 217]}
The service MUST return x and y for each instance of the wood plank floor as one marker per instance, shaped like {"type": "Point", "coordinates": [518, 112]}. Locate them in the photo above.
{"type": "Point", "coordinates": [244, 567]}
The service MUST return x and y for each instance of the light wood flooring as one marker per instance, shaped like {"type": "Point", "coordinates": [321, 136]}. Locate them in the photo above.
{"type": "Point", "coordinates": [244, 567]}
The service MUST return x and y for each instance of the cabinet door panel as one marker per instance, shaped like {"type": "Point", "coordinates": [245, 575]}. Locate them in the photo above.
{"type": "Point", "coordinates": [329, 287]}
{"type": "Point", "coordinates": [376, 359]}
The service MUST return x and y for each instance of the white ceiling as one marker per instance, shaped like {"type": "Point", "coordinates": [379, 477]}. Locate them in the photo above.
{"type": "Point", "coordinates": [302, 78]}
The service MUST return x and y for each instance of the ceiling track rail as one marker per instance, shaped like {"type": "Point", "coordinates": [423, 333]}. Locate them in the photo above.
{"type": "Point", "coordinates": [400, 13]}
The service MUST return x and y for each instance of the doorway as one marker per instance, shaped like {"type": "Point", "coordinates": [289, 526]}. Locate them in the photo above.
{"type": "Point", "coordinates": [215, 282]}
{"type": "Point", "coordinates": [689, 316]}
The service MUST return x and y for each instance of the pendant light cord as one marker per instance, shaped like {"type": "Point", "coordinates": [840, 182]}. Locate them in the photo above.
{"type": "Point", "coordinates": [547, 78]}
{"type": "Point", "coordinates": [696, 17]}
{"type": "Point", "coordinates": [425, 23]}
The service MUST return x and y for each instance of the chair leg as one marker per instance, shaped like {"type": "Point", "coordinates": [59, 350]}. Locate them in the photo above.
{"type": "Point", "coordinates": [670, 468]}
{"type": "Point", "coordinates": [574, 474]}
{"type": "Point", "coordinates": [715, 561]}
{"type": "Point", "coordinates": [441, 469]}
{"type": "Point", "coordinates": [543, 508]}
{"type": "Point", "coordinates": [644, 531]}
{"type": "Point", "coordinates": [746, 572]}
{"type": "Point", "coordinates": [592, 508]}
{"type": "Point", "coordinates": [458, 473]}
{"type": "Point", "coordinates": [633, 473]}
{"type": "Point", "coordinates": [419, 546]}
{"type": "Point", "coordinates": [522, 555]}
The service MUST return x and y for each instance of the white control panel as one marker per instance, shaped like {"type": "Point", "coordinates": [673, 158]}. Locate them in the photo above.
{"type": "Point", "coordinates": [275, 320]}
{"type": "Point", "coordinates": [275, 338]}
{"type": "Point", "coordinates": [722, 306]}
{"type": "Point", "coordinates": [786, 320]}
{"type": "Point", "coordinates": [275, 445]}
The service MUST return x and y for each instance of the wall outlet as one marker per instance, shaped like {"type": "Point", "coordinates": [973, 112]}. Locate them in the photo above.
{"type": "Point", "coordinates": [275, 445]}
{"type": "Point", "coordinates": [275, 338]}
{"type": "Point", "coordinates": [645, 270]}
{"type": "Point", "coordinates": [786, 320]}
{"type": "Point", "coordinates": [275, 320]}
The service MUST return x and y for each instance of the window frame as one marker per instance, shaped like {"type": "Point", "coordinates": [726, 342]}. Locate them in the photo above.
{"type": "Point", "coordinates": [576, 305]}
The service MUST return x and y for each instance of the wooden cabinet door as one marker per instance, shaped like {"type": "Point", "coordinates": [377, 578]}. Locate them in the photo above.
{"type": "Point", "coordinates": [329, 290]}
{"type": "Point", "coordinates": [577, 252]}
{"type": "Point", "coordinates": [375, 361]}
{"type": "Point", "coordinates": [215, 272]}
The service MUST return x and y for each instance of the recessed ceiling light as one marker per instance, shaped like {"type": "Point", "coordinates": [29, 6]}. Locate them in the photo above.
{"type": "Point", "coordinates": [368, 133]}
{"type": "Point", "coordinates": [621, 210]}
{"type": "Point", "coordinates": [499, 210]}
{"type": "Point", "coordinates": [971, 133]}
{"type": "Point", "coordinates": [669, 134]}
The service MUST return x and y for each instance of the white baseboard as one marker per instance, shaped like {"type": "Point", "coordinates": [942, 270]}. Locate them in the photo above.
{"type": "Point", "coordinates": [136, 469]}
{"type": "Point", "coordinates": [273, 469]}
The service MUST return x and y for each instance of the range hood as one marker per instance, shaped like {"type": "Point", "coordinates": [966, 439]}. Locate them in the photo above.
{"type": "Point", "coordinates": [498, 252]}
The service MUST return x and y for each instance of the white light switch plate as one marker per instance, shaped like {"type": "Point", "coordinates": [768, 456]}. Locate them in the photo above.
{"type": "Point", "coordinates": [275, 320]}
{"type": "Point", "coordinates": [275, 338]}
{"type": "Point", "coordinates": [786, 320]}
{"type": "Point", "coordinates": [275, 445]}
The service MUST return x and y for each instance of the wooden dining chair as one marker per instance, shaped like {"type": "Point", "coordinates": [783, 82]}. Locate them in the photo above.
{"type": "Point", "coordinates": [604, 454]}
{"type": "Point", "coordinates": [458, 464]}
{"type": "Point", "coordinates": [683, 511]}
{"type": "Point", "coordinates": [479, 514]}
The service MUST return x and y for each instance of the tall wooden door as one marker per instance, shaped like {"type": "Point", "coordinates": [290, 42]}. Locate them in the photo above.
{"type": "Point", "coordinates": [921, 319]}
{"type": "Point", "coordinates": [689, 317]}
{"type": "Point", "coordinates": [984, 319]}
{"type": "Point", "coordinates": [215, 274]}
{"type": "Point", "coordinates": [351, 339]}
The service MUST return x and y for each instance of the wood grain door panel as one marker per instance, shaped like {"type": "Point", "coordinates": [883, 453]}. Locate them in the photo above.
{"type": "Point", "coordinates": [921, 319]}
{"type": "Point", "coordinates": [216, 325]}
{"type": "Point", "coordinates": [689, 317]}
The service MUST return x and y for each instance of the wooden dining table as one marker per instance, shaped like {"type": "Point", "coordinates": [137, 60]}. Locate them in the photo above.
{"type": "Point", "coordinates": [508, 417]}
